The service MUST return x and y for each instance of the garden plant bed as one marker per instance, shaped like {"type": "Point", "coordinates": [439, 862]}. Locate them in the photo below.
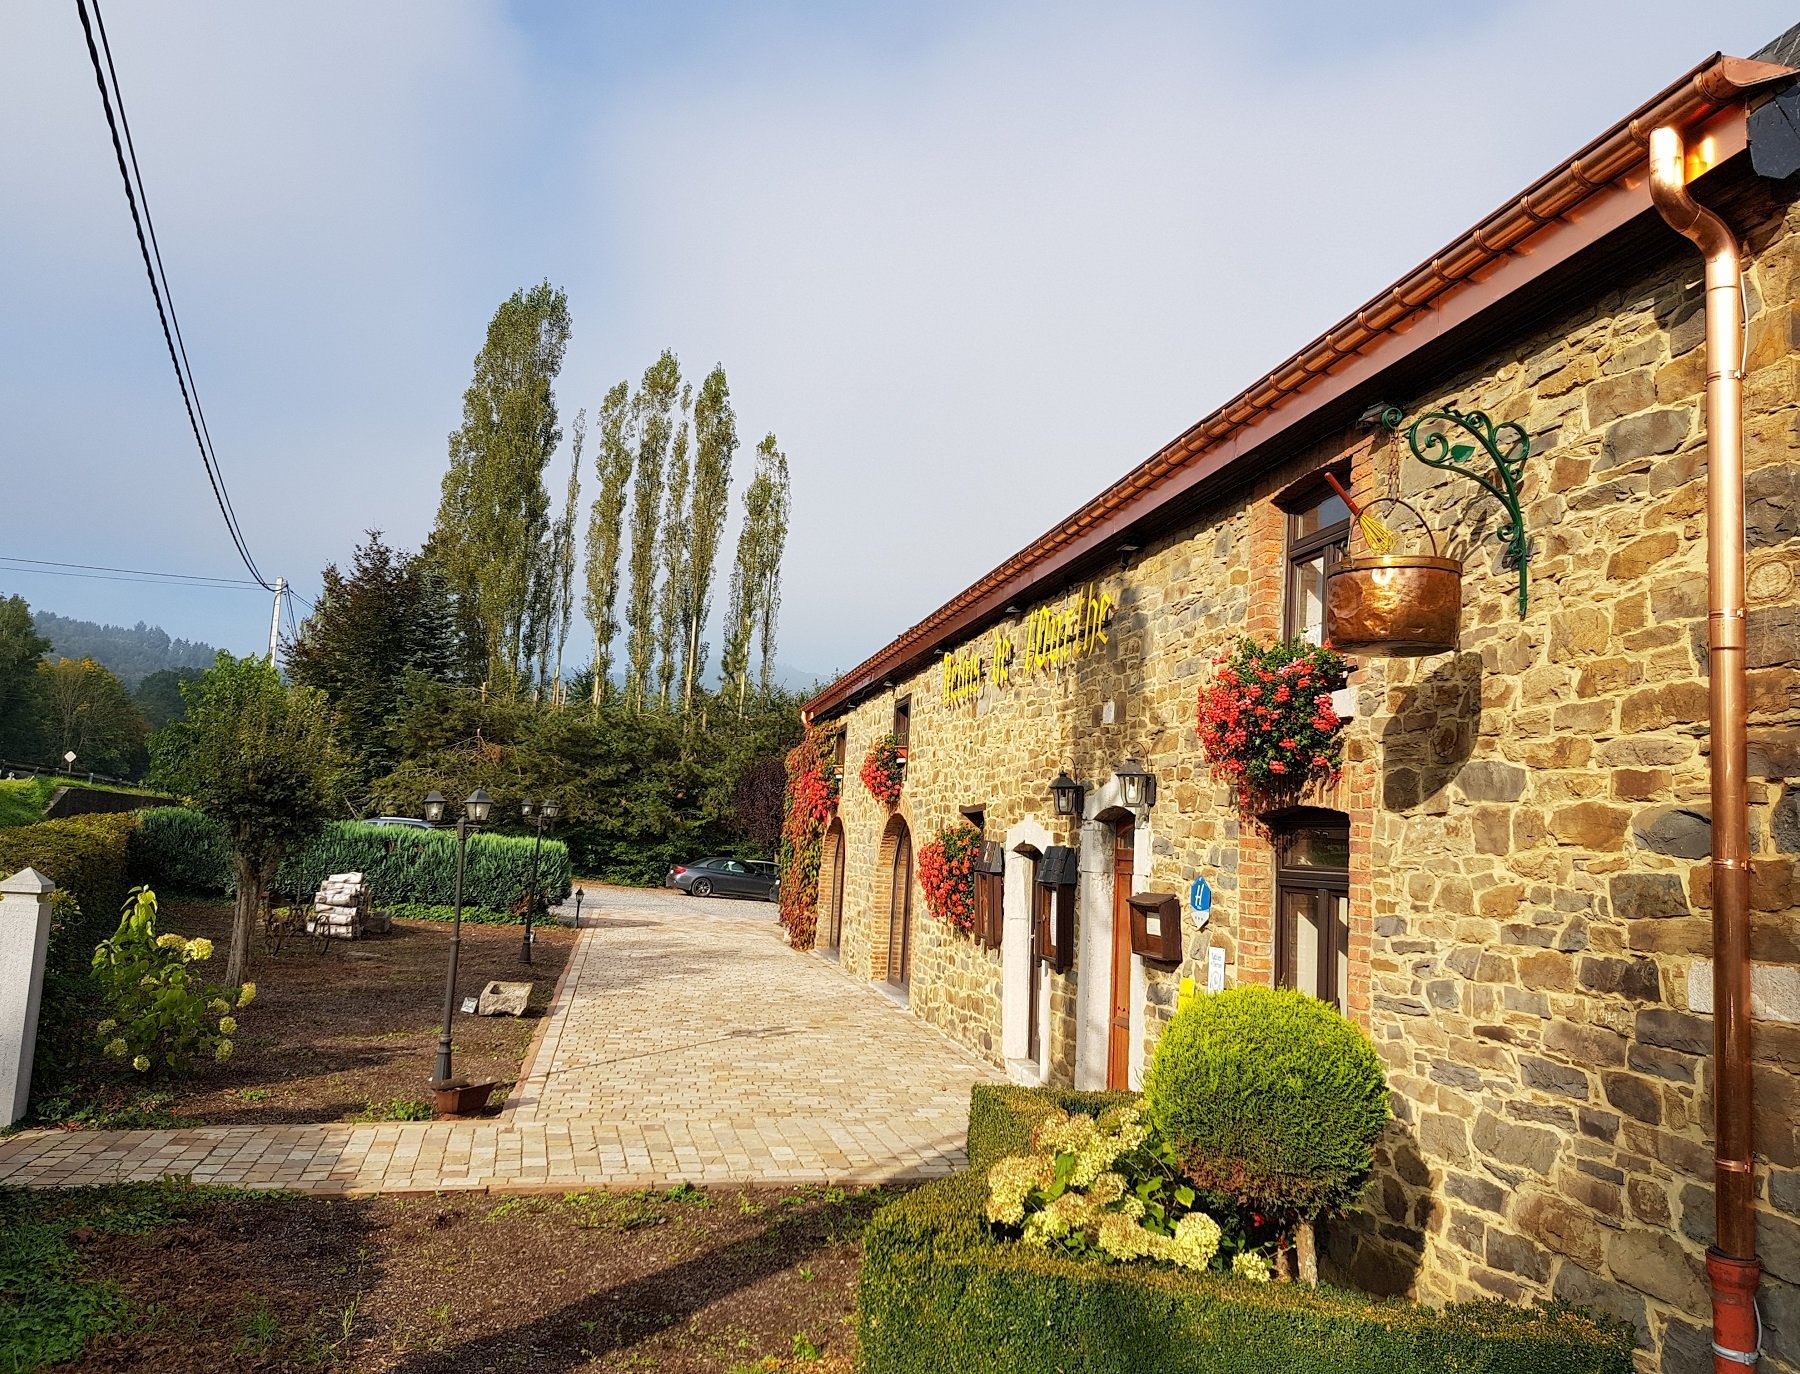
{"type": "Point", "coordinates": [347, 1034]}
{"type": "Point", "coordinates": [683, 1281]}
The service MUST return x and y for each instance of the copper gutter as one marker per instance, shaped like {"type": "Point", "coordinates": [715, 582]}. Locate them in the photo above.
{"type": "Point", "coordinates": [1731, 1263]}
{"type": "Point", "coordinates": [1571, 202]}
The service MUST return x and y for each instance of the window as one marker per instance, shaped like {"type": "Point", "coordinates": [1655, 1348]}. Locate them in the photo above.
{"type": "Point", "coordinates": [1318, 536]}
{"type": "Point", "coordinates": [1312, 904]}
{"type": "Point", "coordinates": [839, 744]}
{"type": "Point", "coordinates": [903, 720]}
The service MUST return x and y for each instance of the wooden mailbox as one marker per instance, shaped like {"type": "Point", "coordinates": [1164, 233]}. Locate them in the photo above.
{"type": "Point", "coordinates": [1156, 927]}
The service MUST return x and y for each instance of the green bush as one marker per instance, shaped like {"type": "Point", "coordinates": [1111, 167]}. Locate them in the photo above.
{"type": "Point", "coordinates": [1271, 1099]}
{"type": "Point", "coordinates": [185, 851]}
{"type": "Point", "coordinates": [938, 1295]}
{"type": "Point", "coordinates": [162, 1017]}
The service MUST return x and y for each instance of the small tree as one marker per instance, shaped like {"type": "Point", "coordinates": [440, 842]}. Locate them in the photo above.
{"type": "Point", "coordinates": [260, 756]}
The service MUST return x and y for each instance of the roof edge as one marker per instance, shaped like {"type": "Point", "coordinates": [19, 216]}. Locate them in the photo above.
{"type": "Point", "coordinates": [1710, 87]}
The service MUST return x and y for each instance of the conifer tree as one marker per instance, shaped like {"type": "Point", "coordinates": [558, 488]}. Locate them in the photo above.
{"type": "Point", "coordinates": [493, 516]}
{"type": "Point", "coordinates": [606, 527]}
{"type": "Point", "coordinates": [715, 443]}
{"type": "Point", "coordinates": [653, 408]}
{"type": "Point", "coordinates": [677, 529]}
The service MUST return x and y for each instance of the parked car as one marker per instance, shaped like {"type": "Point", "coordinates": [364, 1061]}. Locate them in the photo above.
{"type": "Point", "coordinates": [727, 878]}
{"type": "Point", "coordinates": [411, 822]}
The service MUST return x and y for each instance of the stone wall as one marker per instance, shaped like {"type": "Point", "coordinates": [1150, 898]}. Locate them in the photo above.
{"type": "Point", "coordinates": [1530, 909]}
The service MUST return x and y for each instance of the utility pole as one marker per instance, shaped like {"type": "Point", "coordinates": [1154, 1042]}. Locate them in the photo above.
{"type": "Point", "coordinates": [275, 617]}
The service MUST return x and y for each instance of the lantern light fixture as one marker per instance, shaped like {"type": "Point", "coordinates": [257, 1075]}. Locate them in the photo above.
{"type": "Point", "coordinates": [1067, 795]}
{"type": "Point", "coordinates": [525, 808]}
{"type": "Point", "coordinates": [551, 810]}
{"type": "Point", "coordinates": [1137, 785]}
{"type": "Point", "coordinates": [434, 806]}
{"type": "Point", "coordinates": [478, 805]}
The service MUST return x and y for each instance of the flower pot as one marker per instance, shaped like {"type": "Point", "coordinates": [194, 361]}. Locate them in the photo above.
{"type": "Point", "coordinates": [1399, 604]}
{"type": "Point", "coordinates": [458, 1098]}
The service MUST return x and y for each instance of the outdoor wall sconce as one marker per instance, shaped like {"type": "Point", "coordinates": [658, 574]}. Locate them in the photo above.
{"type": "Point", "coordinates": [1156, 927]}
{"type": "Point", "coordinates": [1434, 443]}
{"type": "Point", "coordinates": [1058, 870]}
{"type": "Point", "coordinates": [1068, 795]}
{"type": "Point", "coordinates": [1137, 785]}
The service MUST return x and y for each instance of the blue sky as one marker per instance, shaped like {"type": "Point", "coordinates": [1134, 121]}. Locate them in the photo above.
{"type": "Point", "coordinates": [969, 261]}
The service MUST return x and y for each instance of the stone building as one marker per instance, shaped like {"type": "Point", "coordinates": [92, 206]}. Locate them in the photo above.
{"type": "Point", "coordinates": [1509, 886]}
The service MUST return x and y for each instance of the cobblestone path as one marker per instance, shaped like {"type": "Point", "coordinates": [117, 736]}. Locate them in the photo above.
{"type": "Point", "coordinates": [686, 1043]}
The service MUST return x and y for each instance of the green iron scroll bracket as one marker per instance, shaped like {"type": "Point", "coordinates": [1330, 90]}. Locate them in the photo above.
{"type": "Point", "coordinates": [1507, 445]}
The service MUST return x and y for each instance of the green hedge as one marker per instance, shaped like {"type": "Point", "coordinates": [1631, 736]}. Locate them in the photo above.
{"type": "Point", "coordinates": [939, 1295]}
{"type": "Point", "coordinates": [86, 857]}
{"type": "Point", "coordinates": [185, 851]}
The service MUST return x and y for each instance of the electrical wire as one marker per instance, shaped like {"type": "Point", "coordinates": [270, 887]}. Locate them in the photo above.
{"type": "Point", "coordinates": [136, 572]}
{"type": "Point", "coordinates": [151, 581]}
{"type": "Point", "coordinates": [165, 309]}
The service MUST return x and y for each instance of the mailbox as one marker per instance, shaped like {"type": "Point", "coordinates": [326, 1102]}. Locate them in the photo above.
{"type": "Point", "coordinates": [990, 901]}
{"type": "Point", "coordinates": [1156, 927]}
{"type": "Point", "coordinates": [1055, 907]}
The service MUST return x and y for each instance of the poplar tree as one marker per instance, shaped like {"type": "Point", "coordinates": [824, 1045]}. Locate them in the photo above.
{"type": "Point", "coordinates": [715, 443]}
{"type": "Point", "coordinates": [606, 525]}
{"type": "Point", "coordinates": [771, 463]}
{"type": "Point", "coordinates": [565, 555]}
{"type": "Point", "coordinates": [677, 531]}
{"type": "Point", "coordinates": [653, 408]}
{"type": "Point", "coordinates": [493, 516]}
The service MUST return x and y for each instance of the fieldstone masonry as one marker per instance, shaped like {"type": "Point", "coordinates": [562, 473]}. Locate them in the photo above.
{"type": "Point", "coordinates": [1530, 889]}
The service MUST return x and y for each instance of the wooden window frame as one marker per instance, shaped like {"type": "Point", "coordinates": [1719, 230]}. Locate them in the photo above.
{"type": "Point", "coordinates": [1303, 549]}
{"type": "Point", "coordinates": [1324, 885]}
{"type": "Point", "coordinates": [903, 719]}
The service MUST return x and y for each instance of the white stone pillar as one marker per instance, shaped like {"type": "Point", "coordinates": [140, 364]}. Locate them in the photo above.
{"type": "Point", "coordinates": [24, 938]}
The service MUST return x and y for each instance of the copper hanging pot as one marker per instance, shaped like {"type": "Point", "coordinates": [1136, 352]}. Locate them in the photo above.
{"type": "Point", "coordinates": [1403, 605]}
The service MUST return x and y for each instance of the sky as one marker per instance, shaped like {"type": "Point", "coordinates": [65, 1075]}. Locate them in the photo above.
{"type": "Point", "coordinates": [970, 262]}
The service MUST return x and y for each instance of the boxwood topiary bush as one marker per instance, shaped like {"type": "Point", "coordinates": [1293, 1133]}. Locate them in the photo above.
{"type": "Point", "coordinates": [939, 1295]}
{"type": "Point", "coordinates": [180, 850]}
{"type": "Point", "coordinates": [1272, 1100]}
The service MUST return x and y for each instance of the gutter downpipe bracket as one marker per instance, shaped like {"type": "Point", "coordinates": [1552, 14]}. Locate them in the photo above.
{"type": "Point", "coordinates": [1732, 1267]}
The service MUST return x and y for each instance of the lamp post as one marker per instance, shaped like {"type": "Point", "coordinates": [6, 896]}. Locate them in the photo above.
{"type": "Point", "coordinates": [475, 812]}
{"type": "Point", "coordinates": [545, 813]}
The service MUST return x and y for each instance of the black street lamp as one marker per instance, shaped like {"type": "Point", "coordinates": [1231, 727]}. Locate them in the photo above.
{"type": "Point", "coordinates": [545, 813]}
{"type": "Point", "coordinates": [475, 812]}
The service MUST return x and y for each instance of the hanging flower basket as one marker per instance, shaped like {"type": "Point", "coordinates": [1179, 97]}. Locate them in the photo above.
{"type": "Point", "coordinates": [947, 874]}
{"type": "Point", "coordinates": [1267, 724]}
{"type": "Point", "coordinates": [884, 770]}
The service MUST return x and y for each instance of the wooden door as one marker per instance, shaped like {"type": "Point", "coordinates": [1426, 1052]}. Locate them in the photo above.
{"type": "Point", "coordinates": [834, 921]}
{"type": "Point", "coordinates": [1118, 1036]}
{"type": "Point", "coordinates": [1034, 986]}
{"type": "Point", "coordinates": [899, 965]}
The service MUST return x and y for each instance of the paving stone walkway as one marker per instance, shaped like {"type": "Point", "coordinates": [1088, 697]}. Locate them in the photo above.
{"type": "Point", "coordinates": [686, 1043]}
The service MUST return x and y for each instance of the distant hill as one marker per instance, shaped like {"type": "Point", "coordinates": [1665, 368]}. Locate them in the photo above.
{"type": "Point", "coordinates": [133, 653]}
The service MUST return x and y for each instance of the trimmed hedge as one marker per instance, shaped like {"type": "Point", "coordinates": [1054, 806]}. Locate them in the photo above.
{"type": "Point", "coordinates": [939, 1295]}
{"type": "Point", "coordinates": [186, 851]}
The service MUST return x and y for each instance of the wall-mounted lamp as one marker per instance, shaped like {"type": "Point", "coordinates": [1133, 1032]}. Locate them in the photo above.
{"type": "Point", "coordinates": [1067, 794]}
{"type": "Point", "coordinates": [1382, 414]}
{"type": "Point", "coordinates": [1125, 552]}
{"type": "Point", "coordinates": [1137, 785]}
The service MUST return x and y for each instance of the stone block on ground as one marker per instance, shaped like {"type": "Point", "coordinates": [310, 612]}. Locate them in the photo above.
{"type": "Point", "coordinates": [503, 999]}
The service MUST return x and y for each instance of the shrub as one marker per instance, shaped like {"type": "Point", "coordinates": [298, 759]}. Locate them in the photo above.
{"type": "Point", "coordinates": [1270, 1098]}
{"type": "Point", "coordinates": [812, 796]}
{"type": "Point", "coordinates": [162, 1017]}
{"type": "Point", "coordinates": [938, 1295]}
{"type": "Point", "coordinates": [187, 851]}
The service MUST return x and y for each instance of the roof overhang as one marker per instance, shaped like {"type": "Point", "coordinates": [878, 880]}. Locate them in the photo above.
{"type": "Point", "coordinates": [1596, 194]}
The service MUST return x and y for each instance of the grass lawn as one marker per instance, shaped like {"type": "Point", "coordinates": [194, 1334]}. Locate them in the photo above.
{"type": "Point", "coordinates": [22, 800]}
{"type": "Point", "coordinates": [169, 1278]}
{"type": "Point", "coordinates": [345, 1035]}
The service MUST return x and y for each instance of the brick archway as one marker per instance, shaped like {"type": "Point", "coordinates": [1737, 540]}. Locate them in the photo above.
{"type": "Point", "coordinates": [831, 889]}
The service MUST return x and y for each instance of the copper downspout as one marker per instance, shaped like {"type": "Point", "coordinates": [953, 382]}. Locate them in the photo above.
{"type": "Point", "coordinates": [1731, 1263]}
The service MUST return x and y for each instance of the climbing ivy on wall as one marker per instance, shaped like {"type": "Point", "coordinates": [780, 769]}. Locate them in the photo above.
{"type": "Point", "coordinates": [812, 794]}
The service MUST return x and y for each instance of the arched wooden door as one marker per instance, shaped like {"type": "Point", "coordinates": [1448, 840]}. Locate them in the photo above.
{"type": "Point", "coordinates": [899, 959]}
{"type": "Point", "coordinates": [1118, 1029]}
{"type": "Point", "coordinates": [834, 910]}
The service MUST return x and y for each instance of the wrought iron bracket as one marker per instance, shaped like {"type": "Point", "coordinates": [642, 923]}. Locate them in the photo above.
{"type": "Point", "coordinates": [1506, 445]}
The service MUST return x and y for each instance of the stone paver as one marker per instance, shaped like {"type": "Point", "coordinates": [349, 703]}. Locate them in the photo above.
{"type": "Point", "coordinates": [686, 1043]}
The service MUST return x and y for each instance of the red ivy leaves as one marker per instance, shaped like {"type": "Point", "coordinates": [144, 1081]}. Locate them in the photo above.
{"type": "Point", "coordinates": [884, 770]}
{"type": "Point", "coordinates": [947, 874]}
{"type": "Point", "coordinates": [812, 794]}
{"type": "Point", "coordinates": [1266, 720]}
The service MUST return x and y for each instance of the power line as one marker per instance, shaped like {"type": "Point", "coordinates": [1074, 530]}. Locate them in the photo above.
{"type": "Point", "coordinates": [152, 581]}
{"type": "Point", "coordinates": [136, 572]}
{"type": "Point", "coordinates": [165, 310]}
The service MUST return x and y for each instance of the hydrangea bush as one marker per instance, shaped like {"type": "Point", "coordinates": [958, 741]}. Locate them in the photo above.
{"type": "Point", "coordinates": [1106, 1188]}
{"type": "Point", "coordinates": [947, 873]}
{"type": "Point", "coordinates": [1267, 723]}
{"type": "Point", "coordinates": [162, 1017]}
{"type": "Point", "coordinates": [884, 770]}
